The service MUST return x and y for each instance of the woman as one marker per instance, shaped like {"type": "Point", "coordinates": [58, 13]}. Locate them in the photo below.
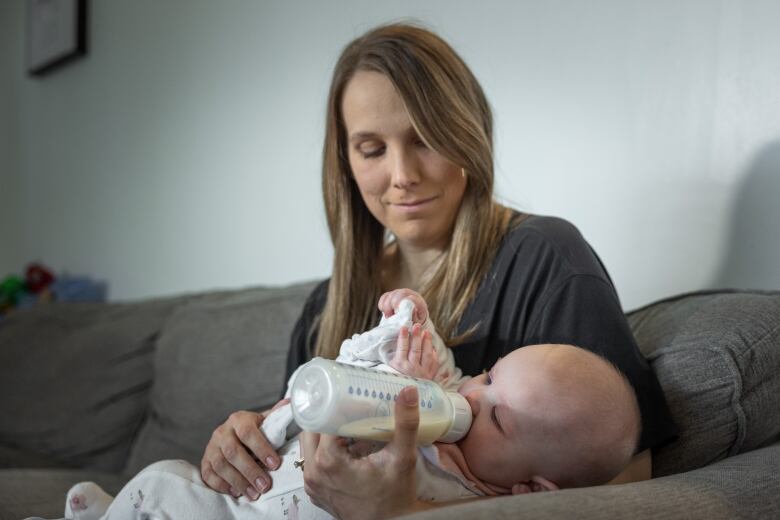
{"type": "Point", "coordinates": [408, 188]}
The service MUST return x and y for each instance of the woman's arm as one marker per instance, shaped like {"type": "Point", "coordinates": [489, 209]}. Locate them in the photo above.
{"type": "Point", "coordinates": [640, 468]}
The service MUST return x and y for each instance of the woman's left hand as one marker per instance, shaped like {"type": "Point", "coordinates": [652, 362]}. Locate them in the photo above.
{"type": "Point", "coordinates": [379, 485]}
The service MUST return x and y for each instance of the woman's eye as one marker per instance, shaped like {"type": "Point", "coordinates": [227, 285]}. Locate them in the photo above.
{"type": "Point", "coordinates": [488, 380]}
{"type": "Point", "coordinates": [368, 153]}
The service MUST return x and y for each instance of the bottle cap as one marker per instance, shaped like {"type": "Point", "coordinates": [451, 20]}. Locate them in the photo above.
{"type": "Point", "coordinates": [312, 396]}
{"type": "Point", "coordinates": [461, 418]}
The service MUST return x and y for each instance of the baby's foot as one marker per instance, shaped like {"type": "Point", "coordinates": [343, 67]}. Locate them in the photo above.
{"type": "Point", "coordinates": [87, 501]}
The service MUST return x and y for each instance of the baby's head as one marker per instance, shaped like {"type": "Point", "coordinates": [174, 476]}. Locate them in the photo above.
{"type": "Point", "coordinates": [550, 416]}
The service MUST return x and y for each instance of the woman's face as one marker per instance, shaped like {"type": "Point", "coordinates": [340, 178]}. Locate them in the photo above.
{"type": "Point", "coordinates": [412, 190]}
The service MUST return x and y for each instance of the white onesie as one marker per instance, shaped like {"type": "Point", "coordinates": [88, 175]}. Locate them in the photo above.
{"type": "Point", "coordinates": [174, 489]}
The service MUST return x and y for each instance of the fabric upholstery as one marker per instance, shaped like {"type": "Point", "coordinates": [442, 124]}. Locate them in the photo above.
{"type": "Point", "coordinates": [717, 357]}
{"type": "Point", "coordinates": [41, 492]}
{"type": "Point", "coordinates": [76, 390]}
{"type": "Point", "coordinates": [741, 487]}
{"type": "Point", "coordinates": [75, 381]}
{"type": "Point", "coordinates": [215, 356]}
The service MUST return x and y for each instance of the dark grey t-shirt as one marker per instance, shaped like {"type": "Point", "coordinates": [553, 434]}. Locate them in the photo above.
{"type": "Point", "coordinates": [546, 285]}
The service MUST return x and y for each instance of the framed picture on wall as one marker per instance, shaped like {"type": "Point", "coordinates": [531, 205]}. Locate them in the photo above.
{"type": "Point", "coordinates": [56, 33]}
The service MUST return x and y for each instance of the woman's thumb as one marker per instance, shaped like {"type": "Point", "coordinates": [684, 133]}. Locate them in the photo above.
{"type": "Point", "coordinates": [407, 420]}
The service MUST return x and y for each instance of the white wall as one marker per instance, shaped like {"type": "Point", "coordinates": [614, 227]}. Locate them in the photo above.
{"type": "Point", "coordinates": [10, 216]}
{"type": "Point", "coordinates": [183, 152]}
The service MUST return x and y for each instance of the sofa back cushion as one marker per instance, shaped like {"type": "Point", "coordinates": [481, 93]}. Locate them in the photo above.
{"type": "Point", "coordinates": [222, 353]}
{"type": "Point", "coordinates": [717, 357]}
{"type": "Point", "coordinates": [75, 382]}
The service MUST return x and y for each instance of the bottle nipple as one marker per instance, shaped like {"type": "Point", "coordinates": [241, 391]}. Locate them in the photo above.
{"type": "Point", "coordinates": [461, 418]}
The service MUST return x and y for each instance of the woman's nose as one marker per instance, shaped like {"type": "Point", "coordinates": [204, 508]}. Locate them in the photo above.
{"type": "Point", "coordinates": [405, 171]}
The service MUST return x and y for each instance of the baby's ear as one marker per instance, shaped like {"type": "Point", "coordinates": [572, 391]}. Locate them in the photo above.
{"type": "Point", "coordinates": [520, 489]}
{"type": "Point", "coordinates": [535, 485]}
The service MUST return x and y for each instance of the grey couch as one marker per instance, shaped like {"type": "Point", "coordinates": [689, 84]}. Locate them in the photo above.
{"type": "Point", "coordinates": [97, 392]}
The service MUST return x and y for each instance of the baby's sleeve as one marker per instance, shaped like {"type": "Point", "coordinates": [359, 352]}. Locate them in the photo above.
{"type": "Point", "coordinates": [280, 426]}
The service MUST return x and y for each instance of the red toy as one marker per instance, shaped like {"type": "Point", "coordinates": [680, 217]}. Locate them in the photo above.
{"type": "Point", "coordinates": [37, 278]}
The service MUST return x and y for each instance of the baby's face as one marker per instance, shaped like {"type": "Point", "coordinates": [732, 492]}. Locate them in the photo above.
{"type": "Point", "coordinates": [552, 411]}
{"type": "Point", "coordinates": [506, 401]}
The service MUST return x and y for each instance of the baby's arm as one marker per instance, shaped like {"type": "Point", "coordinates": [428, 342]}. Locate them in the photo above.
{"type": "Point", "coordinates": [414, 353]}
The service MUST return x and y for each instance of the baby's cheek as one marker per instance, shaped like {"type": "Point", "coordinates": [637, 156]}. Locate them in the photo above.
{"type": "Point", "coordinates": [478, 454]}
{"type": "Point", "coordinates": [471, 441]}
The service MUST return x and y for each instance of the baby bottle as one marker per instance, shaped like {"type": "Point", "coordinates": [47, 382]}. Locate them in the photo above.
{"type": "Point", "coordinates": [349, 401]}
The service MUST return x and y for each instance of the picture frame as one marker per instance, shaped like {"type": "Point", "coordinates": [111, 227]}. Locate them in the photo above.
{"type": "Point", "coordinates": [56, 33]}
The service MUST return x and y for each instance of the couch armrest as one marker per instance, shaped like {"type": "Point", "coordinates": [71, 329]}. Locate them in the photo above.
{"type": "Point", "coordinates": [717, 358]}
{"type": "Point", "coordinates": [744, 486]}
{"type": "Point", "coordinates": [74, 382]}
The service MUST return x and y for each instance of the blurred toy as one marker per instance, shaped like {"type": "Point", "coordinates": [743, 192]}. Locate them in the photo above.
{"type": "Point", "coordinates": [37, 278]}
{"type": "Point", "coordinates": [42, 286]}
{"type": "Point", "coordinates": [78, 289]}
{"type": "Point", "coordinates": [11, 289]}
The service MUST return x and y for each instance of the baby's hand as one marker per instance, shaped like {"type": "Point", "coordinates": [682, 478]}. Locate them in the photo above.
{"type": "Point", "coordinates": [414, 353]}
{"type": "Point", "coordinates": [389, 302]}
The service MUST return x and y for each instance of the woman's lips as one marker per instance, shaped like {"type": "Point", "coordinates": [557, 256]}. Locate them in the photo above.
{"type": "Point", "coordinates": [413, 205]}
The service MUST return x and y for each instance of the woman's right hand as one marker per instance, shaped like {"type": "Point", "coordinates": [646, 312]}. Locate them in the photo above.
{"type": "Point", "coordinates": [238, 456]}
{"type": "Point", "coordinates": [379, 485]}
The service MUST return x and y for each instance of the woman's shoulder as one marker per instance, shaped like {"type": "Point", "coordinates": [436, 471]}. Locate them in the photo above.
{"type": "Point", "coordinates": [304, 332]}
{"type": "Point", "coordinates": [550, 240]}
{"type": "Point", "coordinates": [554, 230]}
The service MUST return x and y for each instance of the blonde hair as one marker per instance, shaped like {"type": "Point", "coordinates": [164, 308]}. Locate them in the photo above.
{"type": "Point", "coordinates": [450, 113]}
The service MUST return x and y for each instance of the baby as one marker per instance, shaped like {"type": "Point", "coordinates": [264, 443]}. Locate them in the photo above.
{"type": "Point", "coordinates": [544, 417]}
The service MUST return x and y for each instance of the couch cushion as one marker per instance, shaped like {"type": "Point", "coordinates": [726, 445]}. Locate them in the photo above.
{"type": "Point", "coordinates": [743, 487]}
{"type": "Point", "coordinates": [41, 492]}
{"type": "Point", "coordinates": [215, 356]}
{"type": "Point", "coordinates": [53, 359]}
{"type": "Point", "coordinates": [717, 357]}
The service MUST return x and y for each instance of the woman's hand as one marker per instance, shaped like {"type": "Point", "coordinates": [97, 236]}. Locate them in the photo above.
{"type": "Point", "coordinates": [379, 485]}
{"type": "Point", "coordinates": [231, 462]}
{"type": "Point", "coordinates": [389, 302]}
{"type": "Point", "coordinates": [414, 353]}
